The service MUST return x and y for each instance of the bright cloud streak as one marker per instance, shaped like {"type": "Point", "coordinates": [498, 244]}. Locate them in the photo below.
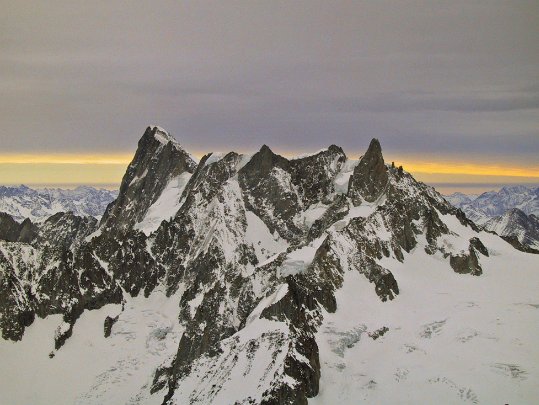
{"type": "Point", "coordinates": [468, 168]}
{"type": "Point", "coordinates": [109, 168]}
{"type": "Point", "coordinates": [72, 159]}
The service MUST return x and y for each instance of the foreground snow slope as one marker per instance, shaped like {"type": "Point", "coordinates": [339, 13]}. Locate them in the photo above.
{"type": "Point", "coordinates": [452, 339]}
{"type": "Point", "coordinates": [92, 369]}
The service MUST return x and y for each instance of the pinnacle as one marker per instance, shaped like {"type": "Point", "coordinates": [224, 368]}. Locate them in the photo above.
{"type": "Point", "coordinates": [265, 149]}
{"type": "Point", "coordinates": [374, 148]}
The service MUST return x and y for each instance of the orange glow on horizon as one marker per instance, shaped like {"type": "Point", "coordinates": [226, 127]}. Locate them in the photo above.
{"type": "Point", "coordinates": [65, 158]}
{"type": "Point", "coordinates": [117, 162]}
{"type": "Point", "coordinates": [469, 168]}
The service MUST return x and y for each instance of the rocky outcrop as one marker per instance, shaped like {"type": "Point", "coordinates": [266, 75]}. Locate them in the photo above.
{"type": "Point", "coordinates": [108, 324]}
{"type": "Point", "coordinates": [66, 230]}
{"type": "Point", "coordinates": [12, 231]}
{"type": "Point", "coordinates": [370, 176]}
{"type": "Point", "coordinates": [468, 263]}
{"type": "Point", "coordinates": [270, 192]}
{"type": "Point", "coordinates": [314, 175]}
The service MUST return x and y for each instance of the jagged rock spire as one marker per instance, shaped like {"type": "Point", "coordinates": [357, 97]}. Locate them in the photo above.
{"type": "Point", "coordinates": [370, 176]}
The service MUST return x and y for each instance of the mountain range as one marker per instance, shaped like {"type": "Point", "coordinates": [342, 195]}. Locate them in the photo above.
{"type": "Point", "coordinates": [256, 279]}
{"type": "Point", "coordinates": [511, 212]}
{"type": "Point", "coordinates": [37, 205]}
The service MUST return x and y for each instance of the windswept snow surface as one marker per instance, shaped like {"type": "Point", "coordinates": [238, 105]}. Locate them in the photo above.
{"type": "Point", "coordinates": [166, 206]}
{"type": "Point", "coordinates": [341, 180]}
{"type": "Point", "coordinates": [299, 260]}
{"type": "Point", "coordinates": [89, 368]}
{"type": "Point", "coordinates": [451, 338]}
{"type": "Point", "coordinates": [264, 242]}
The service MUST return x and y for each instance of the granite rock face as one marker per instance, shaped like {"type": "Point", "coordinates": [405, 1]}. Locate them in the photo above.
{"type": "Point", "coordinates": [254, 251]}
{"type": "Point", "coordinates": [158, 159]}
{"type": "Point", "coordinates": [370, 176]}
{"type": "Point", "coordinates": [12, 231]}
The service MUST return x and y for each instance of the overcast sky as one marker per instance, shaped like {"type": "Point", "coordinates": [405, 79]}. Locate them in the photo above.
{"type": "Point", "coordinates": [449, 79]}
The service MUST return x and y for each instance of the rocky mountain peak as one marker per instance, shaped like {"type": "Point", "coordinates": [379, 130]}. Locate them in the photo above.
{"type": "Point", "coordinates": [375, 149]}
{"type": "Point", "coordinates": [159, 159]}
{"type": "Point", "coordinates": [264, 161]}
{"type": "Point", "coordinates": [370, 176]}
{"type": "Point", "coordinates": [335, 149]}
{"type": "Point", "coordinates": [517, 228]}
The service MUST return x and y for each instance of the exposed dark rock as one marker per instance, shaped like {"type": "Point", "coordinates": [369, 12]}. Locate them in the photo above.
{"type": "Point", "coordinates": [378, 333]}
{"type": "Point", "coordinates": [466, 264]}
{"type": "Point", "coordinates": [515, 225]}
{"type": "Point", "coordinates": [158, 159]}
{"type": "Point", "coordinates": [336, 211]}
{"type": "Point", "coordinates": [65, 230]}
{"type": "Point", "coordinates": [109, 322]}
{"type": "Point", "coordinates": [9, 228]}
{"type": "Point", "coordinates": [513, 241]}
{"type": "Point", "coordinates": [268, 192]}
{"type": "Point", "coordinates": [12, 231]}
{"type": "Point", "coordinates": [28, 231]}
{"type": "Point", "coordinates": [476, 244]}
{"type": "Point", "coordinates": [314, 176]}
{"type": "Point", "coordinates": [370, 176]}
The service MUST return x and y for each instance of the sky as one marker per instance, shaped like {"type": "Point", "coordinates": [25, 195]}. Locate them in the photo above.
{"type": "Point", "coordinates": [450, 88]}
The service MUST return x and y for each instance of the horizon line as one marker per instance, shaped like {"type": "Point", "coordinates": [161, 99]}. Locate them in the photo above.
{"type": "Point", "coordinates": [444, 166]}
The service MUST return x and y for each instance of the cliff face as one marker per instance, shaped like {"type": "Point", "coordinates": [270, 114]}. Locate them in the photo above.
{"type": "Point", "coordinates": [158, 159]}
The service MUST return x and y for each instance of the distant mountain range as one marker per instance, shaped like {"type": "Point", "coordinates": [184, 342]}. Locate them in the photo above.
{"type": "Point", "coordinates": [511, 212]}
{"type": "Point", "coordinates": [38, 204]}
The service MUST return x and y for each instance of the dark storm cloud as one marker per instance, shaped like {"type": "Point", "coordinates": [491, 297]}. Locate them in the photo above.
{"type": "Point", "coordinates": [428, 77]}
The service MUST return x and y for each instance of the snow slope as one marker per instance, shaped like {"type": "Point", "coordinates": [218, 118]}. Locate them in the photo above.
{"type": "Point", "coordinates": [166, 206]}
{"type": "Point", "coordinates": [494, 203]}
{"type": "Point", "coordinates": [92, 369]}
{"type": "Point", "coordinates": [451, 338]}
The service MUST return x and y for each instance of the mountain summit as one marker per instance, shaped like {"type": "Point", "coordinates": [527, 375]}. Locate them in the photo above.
{"type": "Point", "coordinates": [158, 159]}
{"type": "Point", "coordinates": [370, 175]}
{"type": "Point", "coordinates": [265, 280]}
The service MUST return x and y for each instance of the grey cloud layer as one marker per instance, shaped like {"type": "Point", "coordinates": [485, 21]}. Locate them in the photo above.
{"type": "Point", "coordinates": [424, 77]}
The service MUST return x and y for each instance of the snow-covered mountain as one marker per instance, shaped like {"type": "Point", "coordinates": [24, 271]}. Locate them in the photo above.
{"type": "Point", "coordinates": [23, 202]}
{"type": "Point", "coordinates": [256, 279]}
{"type": "Point", "coordinates": [511, 212]}
{"type": "Point", "coordinates": [494, 203]}
{"type": "Point", "coordinates": [460, 200]}
{"type": "Point", "coordinates": [516, 224]}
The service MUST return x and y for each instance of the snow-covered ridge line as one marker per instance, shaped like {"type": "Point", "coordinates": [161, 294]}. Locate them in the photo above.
{"type": "Point", "coordinates": [38, 204]}
{"type": "Point", "coordinates": [511, 212]}
{"type": "Point", "coordinates": [164, 137]}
